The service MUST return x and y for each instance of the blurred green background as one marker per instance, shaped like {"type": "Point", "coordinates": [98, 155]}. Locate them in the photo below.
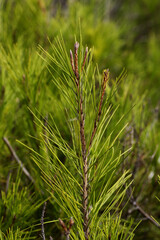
{"type": "Point", "coordinates": [123, 34]}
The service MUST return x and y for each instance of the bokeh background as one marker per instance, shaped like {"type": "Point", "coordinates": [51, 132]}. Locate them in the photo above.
{"type": "Point", "coordinates": [123, 35]}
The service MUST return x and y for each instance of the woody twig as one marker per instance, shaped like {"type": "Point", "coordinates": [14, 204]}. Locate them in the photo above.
{"type": "Point", "coordinates": [65, 228]}
{"type": "Point", "coordinates": [74, 64]}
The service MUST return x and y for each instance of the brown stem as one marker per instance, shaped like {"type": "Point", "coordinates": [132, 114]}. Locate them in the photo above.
{"type": "Point", "coordinates": [141, 210]}
{"type": "Point", "coordinates": [105, 80]}
{"type": "Point", "coordinates": [146, 215]}
{"type": "Point", "coordinates": [85, 172]}
{"type": "Point", "coordinates": [71, 222]}
{"type": "Point", "coordinates": [63, 225]}
{"type": "Point", "coordinates": [82, 137]}
{"type": "Point", "coordinates": [76, 46]}
{"type": "Point", "coordinates": [85, 57]}
{"type": "Point", "coordinates": [66, 230]}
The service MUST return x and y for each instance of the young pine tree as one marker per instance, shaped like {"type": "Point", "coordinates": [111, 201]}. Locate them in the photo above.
{"type": "Point", "coordinates": [81, 169]}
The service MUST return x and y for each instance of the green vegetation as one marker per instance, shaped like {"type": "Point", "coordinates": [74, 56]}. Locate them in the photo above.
{"type": "Point", "coordinates": [79, 110]}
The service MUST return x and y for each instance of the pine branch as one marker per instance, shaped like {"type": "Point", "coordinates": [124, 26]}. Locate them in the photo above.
{"type": "Point", "coordinates": [17, 159]}
{"type": "Point", "coordinates": [86, 209]}
{"type": "Point", "coordinates": [141, 210]}
{"type": "Point", "coordinates": [76, 46]}
{"type": "Point", "coordinates": [65, 228]}
{"type": "Point", "coordinates": [82, 137]}
{"type": "Point", "coordinates": [42, 221]}
{"type": "Point", "coordinates": [105, 80]}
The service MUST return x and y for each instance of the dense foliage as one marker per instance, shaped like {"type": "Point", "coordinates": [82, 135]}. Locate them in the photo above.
{"type": "Point", "coordinates": [43, 102]}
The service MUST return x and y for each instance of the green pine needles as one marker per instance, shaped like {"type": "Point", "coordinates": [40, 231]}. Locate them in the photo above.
{"type": "Point", "coordinates": [81, 170]}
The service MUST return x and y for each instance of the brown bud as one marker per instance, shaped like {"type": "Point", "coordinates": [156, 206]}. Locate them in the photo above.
{"type": "Point", "coordinates": [63, 225]}
{"type": "Point", "coordinates": [85, 57]}
{"type": "Point", "coordinates": [71, 222]}
{"type": "Point", "coordinates": [76, 46]}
